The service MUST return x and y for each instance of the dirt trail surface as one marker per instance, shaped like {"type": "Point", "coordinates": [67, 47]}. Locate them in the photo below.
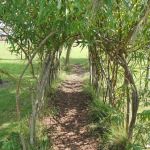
{"type": "Point", "coordinates": [70, 125]}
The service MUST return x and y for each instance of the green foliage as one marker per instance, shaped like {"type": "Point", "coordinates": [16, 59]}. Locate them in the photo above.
{"type": "Point", "coordinates": [118, 32]}
{"type": "Point", "coordinates": [145, 115]}
{"type": "Point", "coordinates": [100, 111]}
{"type": "Point", "coordinates": [117, 138]}
{"type": "Point", "coordinates": [142, 129]}
{"type": "Point", "coordinates": [107, 124]}
{"type": "Point", "coordinates": [43, 142]}
{"type": "Point", "coordinates": [12, 142]}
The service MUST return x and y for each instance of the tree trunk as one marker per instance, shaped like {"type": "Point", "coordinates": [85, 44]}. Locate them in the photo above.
{"type": "Point", "coordinates": [90, 65]}
{"type": "Point", "coordinates": [68, 55]}
{"type": "Point", "coordinates": [128, 103]}
{"type": "Point", "coordinates": [147, 72]}
{"type": "Point", "coordinates": [134, 97]}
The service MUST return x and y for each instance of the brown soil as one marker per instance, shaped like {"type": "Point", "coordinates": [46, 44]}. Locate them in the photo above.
{"type": "Point", "coordinates": [70, 125]}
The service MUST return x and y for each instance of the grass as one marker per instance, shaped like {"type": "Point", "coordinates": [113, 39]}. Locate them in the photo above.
{"type": "Point", "coordinates": [77, 53]}
{"type": "Point", "coordinates": [77, 56]}
{"type": "Point", "coordinates": [14, 66]}
{"type": "Point", "coordinates": [5, 54]}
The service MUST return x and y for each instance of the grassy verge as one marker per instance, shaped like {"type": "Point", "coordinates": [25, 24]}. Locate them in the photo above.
{"type": "Point", "coordinates": [9, 127]}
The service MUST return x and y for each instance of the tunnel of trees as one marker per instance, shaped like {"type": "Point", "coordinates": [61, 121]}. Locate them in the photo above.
{"type": "Point", "coordinates": [117, 34]}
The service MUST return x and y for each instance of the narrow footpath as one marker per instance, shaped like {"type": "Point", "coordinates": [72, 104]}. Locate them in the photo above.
{"type": "Point", "coordinates": [70, 125]}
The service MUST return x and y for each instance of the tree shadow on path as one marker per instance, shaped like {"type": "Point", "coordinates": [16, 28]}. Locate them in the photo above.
{"type": "Point", "coordinates": [70, 125]}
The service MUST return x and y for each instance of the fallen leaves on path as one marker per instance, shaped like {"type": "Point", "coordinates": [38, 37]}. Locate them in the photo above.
{"type": "Point", "coordinates": [70, 126]}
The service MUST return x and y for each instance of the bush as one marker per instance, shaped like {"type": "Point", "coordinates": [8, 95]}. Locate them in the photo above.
{"type": "Point", "coordinates": [107, 123]}
{"type": "Point", "coordinates": [117, 138]}
{"type": "Point", "coordinates": [99, 111]}
{"type": "Point", "coordinates": [100, 116]}
{"type": "Point", "coordinates": [12, 142]}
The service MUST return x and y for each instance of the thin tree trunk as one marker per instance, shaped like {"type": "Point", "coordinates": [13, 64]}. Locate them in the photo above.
{"type": "Point", "coordinates": [67, 61]}
{"type": "Point", "coordinates": [32, 121]}
{"type": "Point", "coordinates": [134, 97]}
{"type": "Point", "coordinates": [43, 82]}
{"type": "Point", "coordinates": [147, 72]}
{"type": "Point", "coordinates": [90, 66]}
{"type": "Point", "coordinates": [128, 103]}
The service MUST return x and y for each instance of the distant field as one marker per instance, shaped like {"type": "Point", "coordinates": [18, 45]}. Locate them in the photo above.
{"type": "Point", "coordinates": [76, 52]}
{"type": "Point", "coordinates": [78, 55]}
{"type": "Point", "coordinates": [4, 51]}
{"type": "Point", "coordinates": [14, 66]}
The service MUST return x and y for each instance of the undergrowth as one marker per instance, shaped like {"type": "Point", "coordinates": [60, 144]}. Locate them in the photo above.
{"type": "Point", "coordinates": [107, 124]}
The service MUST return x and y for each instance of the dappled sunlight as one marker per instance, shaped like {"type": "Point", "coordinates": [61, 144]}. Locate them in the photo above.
{"type": "Point", "coordinates": [70, 125]}
{"type": "Point", "coordinates": [51, 50]}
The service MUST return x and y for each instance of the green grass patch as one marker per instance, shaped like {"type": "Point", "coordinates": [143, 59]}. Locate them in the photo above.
{"type": "Point", "coordinates": [13, 66]}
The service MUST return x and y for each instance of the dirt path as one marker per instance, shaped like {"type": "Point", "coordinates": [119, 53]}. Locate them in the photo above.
{"type": "Point", "coordinates": [70, 126]}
